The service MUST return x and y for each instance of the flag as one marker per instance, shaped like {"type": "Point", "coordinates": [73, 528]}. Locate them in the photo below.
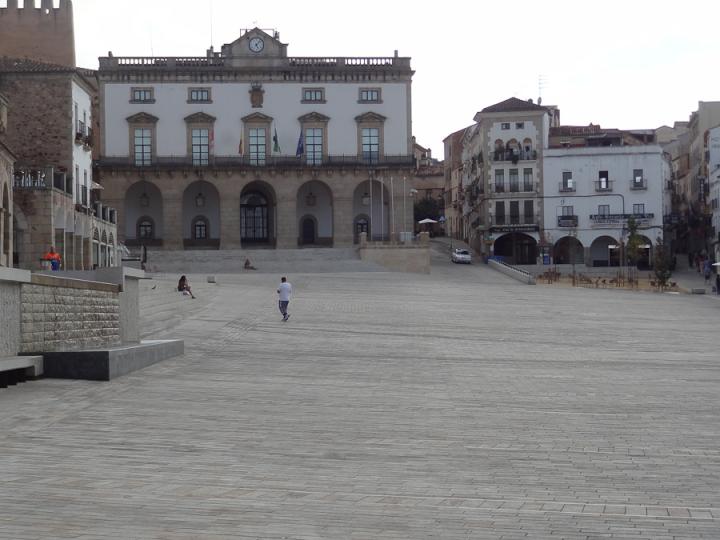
{"type": "Point", "coordinates": [300, 147]}
{"type": "Point", "coordinates": [276, 144]}
{"type": "Point", "coordinates": [212, 141]}
{"type": "Point", "coordinates": [240, 146]}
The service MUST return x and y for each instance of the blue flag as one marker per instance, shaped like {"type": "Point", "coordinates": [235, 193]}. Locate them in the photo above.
{"type": "Point", "coordinates": [300, 147]}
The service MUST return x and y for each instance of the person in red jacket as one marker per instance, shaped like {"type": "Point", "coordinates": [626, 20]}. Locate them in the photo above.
{"type": "Point", "coordinates": [54, 258]}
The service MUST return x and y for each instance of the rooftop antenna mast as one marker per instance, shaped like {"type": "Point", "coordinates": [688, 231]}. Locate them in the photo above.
{"type": "Point", "coordinates": [542, 83]}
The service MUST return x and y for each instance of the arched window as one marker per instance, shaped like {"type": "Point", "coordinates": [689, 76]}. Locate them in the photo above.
{"type": "Point", "coordinates": [145, 228]}
{"type": "Point", "coordinates": [499, 149]}
{"type": "Point", "coordinates": [200, 228]}
{"type": "Point", "coordinates": [527, 148]}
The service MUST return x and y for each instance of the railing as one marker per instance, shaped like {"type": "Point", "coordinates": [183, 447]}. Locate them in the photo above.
{"type": "Point", "coordinates": [171, 62]}
{"type": "Point", "coordinates": [638, 184]}
{"type": "Point", "coordinates": [603, 185]}
{"type": "Point", "coordinates": [566, 187]}
{"type": "Point", "coordinates": [567, 221]}
{"type": "Point", "coordinates": [31, 179]}
{"type": "Point", "coordinates": [513, 219]}
{"type": "Point", "coordinates": [270, 161]}
{"type": "Point", "coordinates": [510, 155]}
{"type": "Point", "coordinates": [617, 218]}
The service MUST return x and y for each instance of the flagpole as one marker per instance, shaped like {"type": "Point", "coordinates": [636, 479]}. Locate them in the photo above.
{"type": "Point", "coordinates": [382, 209]}
{"type": "Point", "coordinates": [392, 208]}
{"type": "Point", "coordinates": [370, 181]}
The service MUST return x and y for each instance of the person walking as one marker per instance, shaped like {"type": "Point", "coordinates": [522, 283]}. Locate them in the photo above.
{"type": "Point", "coordinates": [717, 281]}
{"type": "Point", "coordinates": [284, 293]}
{"type": "Point", "coordinates": [707, 267]}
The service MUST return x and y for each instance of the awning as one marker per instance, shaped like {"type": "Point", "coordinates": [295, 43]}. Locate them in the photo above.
{"type": "Point", "coordinates": [95, 185]}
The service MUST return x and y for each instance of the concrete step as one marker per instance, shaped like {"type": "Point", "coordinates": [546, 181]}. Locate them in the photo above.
{"type": "Point", "coordinates": [310, 260]}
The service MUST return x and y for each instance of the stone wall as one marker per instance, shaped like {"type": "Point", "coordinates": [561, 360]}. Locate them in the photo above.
{"type": "Point", "coordinates": [60, 314]}
{"type": "Point", "coordinates": [11, 281]}
{"type": "Point", "coordinates": [44, 34]}
{"type": "Point", "coordinates": [398, 258]}
{"type": "Point", "coordinates": [40, 110]}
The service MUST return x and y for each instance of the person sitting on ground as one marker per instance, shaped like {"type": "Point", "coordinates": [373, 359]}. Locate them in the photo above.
{"type": "Point", "coordinates": [248, 266]}
{"type": "Point", "coordinates": [184, 286]}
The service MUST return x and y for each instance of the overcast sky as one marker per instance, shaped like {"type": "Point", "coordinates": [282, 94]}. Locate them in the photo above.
{"type": "Point", "coordinates": [619, 63]}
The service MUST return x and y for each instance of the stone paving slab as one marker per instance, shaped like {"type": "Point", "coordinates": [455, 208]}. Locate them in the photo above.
{"type": "Point", "coordinates": [456, 405]}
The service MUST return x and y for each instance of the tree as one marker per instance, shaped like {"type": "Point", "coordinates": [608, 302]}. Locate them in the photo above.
{"type": "Point", "coordinates": [632, 249]}
{"type": "Point", "coordinates": [427, 208]}
{"type": "Point", "coordinates": [662, 264]}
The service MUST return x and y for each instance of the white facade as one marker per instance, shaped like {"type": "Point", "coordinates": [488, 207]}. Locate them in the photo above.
{"type": "Point", "coordinates": [590, 192]}
{"type": "Point", "coordinates": [714, 185]}
{"type": "Point", "coordinates": [82, 148]}
{"type": "Point", "coordinates": [230, 103]}
{"type": "Point", "coordinates": [206, 153]}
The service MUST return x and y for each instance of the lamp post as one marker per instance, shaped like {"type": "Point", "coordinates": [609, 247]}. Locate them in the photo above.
{"type": "Point", "coordinates": [442, 221]}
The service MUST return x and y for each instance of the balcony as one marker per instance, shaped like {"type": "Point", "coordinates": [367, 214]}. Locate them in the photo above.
{"type": "Point", "coordinates": [514, 222]}
{"type": "Point", "coordinates": [246, 162]}
{"type": "Point", "coordinates": [514, 157]}
{"type": "Point", "coordinates": [638, 184]}
{"type": "Point", "coordinates": [81, 133]}
{"type": "Point", "coordinates": [567, 221]}
{"type": "Point", "coordinates": [603, 185]}
{"type": "Point", "coordinates": [566, 187]}
{"type": "Point", "coordinates": [618, 220]}
{"type": "Point", "coordinates": [87, 140]}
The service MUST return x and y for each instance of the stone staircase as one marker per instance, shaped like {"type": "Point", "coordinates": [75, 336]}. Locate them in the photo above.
{"type": "Point", "coordinates": [162, 306]}
{"type": "Point", "coordinates": [307, 260]}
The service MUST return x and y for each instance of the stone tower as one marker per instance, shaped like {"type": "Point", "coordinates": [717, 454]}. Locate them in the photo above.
{"type": "Point", "coordinates": [44, 34]}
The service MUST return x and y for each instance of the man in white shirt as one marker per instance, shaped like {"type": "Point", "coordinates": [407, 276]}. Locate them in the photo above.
{"type": "Point", "coordinates": [284, 293]}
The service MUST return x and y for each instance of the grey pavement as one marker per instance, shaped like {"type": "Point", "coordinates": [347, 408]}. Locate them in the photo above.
{"type": "Point", "coordinates": [457, 405]}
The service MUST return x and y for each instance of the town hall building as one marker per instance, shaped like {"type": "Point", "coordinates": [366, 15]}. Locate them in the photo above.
{"type": "Point", "coordinates": [250, 147]}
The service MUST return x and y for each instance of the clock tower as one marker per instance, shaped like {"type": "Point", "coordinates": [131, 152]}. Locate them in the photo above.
{"type": "Point", "coordinates": [256, 47]}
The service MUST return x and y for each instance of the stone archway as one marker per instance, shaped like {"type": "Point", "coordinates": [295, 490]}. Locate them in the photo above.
{"type": "Point", "coordinates": [201, 216]}
{"type": "Point", "coordinates": [644, 256]}
{"type": "Point", "coordinates": [315, 206]}
{"type": "Point", "coordinates": [568, 250]}
{"type": "Point", "coordinates": [361, 224]}
{"type": "Point", "coordinates": [143, 215]}
{"type": "Point", "coordinates": [6, 226]}
{"type": "Point", "coordinates": [605, 251]}
{"type": "Point", "coordinates": [372, 199]}
{"type": "Point", "coordinates": [22, 252]}
{"type": "Point", "coordinates": [516, 248]}
{"type": "Point", "coordinates": [308, 230]}
{"type": "Point", "coordinates": [258, 218]}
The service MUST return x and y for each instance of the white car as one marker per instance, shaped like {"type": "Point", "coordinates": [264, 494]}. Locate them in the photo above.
{"type": "Point", "coordinates": [461, 256]}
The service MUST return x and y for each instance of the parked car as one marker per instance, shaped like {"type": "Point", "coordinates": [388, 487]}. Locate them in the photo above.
{"type": "Point", "coordinates": [461, 256]}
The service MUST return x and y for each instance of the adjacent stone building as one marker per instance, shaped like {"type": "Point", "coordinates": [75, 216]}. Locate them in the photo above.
{"type": "Point", "coordinates": [7, 159]}
{"type": "Point", "coordinates": [48, 129]}
{"type": "Point", "coordinates": [250, 147]}
{"type": "Point", "coordinates": [45, 34]}
{"type": "Point", "coordinates": [596, 180]}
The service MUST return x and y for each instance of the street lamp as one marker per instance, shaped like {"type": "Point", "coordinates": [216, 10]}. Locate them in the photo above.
{"type": "Point", "coordinates": [412, 193]}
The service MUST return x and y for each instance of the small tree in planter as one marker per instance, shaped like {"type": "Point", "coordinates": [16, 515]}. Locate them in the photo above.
{"type": "Point", "coordinates": [632, 248]}
{"type": "Point", "coordinates": [662, 264]}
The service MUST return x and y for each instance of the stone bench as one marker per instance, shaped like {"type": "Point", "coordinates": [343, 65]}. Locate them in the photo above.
{"type": "Point", "coordinates": [15, 369]}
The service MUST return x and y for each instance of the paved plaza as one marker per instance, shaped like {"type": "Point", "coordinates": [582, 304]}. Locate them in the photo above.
{"type": "Point", "coordinates": [459, 405]}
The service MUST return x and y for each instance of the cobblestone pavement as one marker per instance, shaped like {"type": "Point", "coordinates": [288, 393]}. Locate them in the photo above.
{"type": "Point", "coordinates": [457, 405]}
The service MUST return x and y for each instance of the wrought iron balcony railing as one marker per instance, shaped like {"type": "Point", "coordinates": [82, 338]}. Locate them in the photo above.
{"type": "Point", "coordinates": [169, 162]}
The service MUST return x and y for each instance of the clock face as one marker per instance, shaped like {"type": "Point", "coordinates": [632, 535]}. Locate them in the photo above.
{"type": "Point", "coordinates": [256, 44]}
